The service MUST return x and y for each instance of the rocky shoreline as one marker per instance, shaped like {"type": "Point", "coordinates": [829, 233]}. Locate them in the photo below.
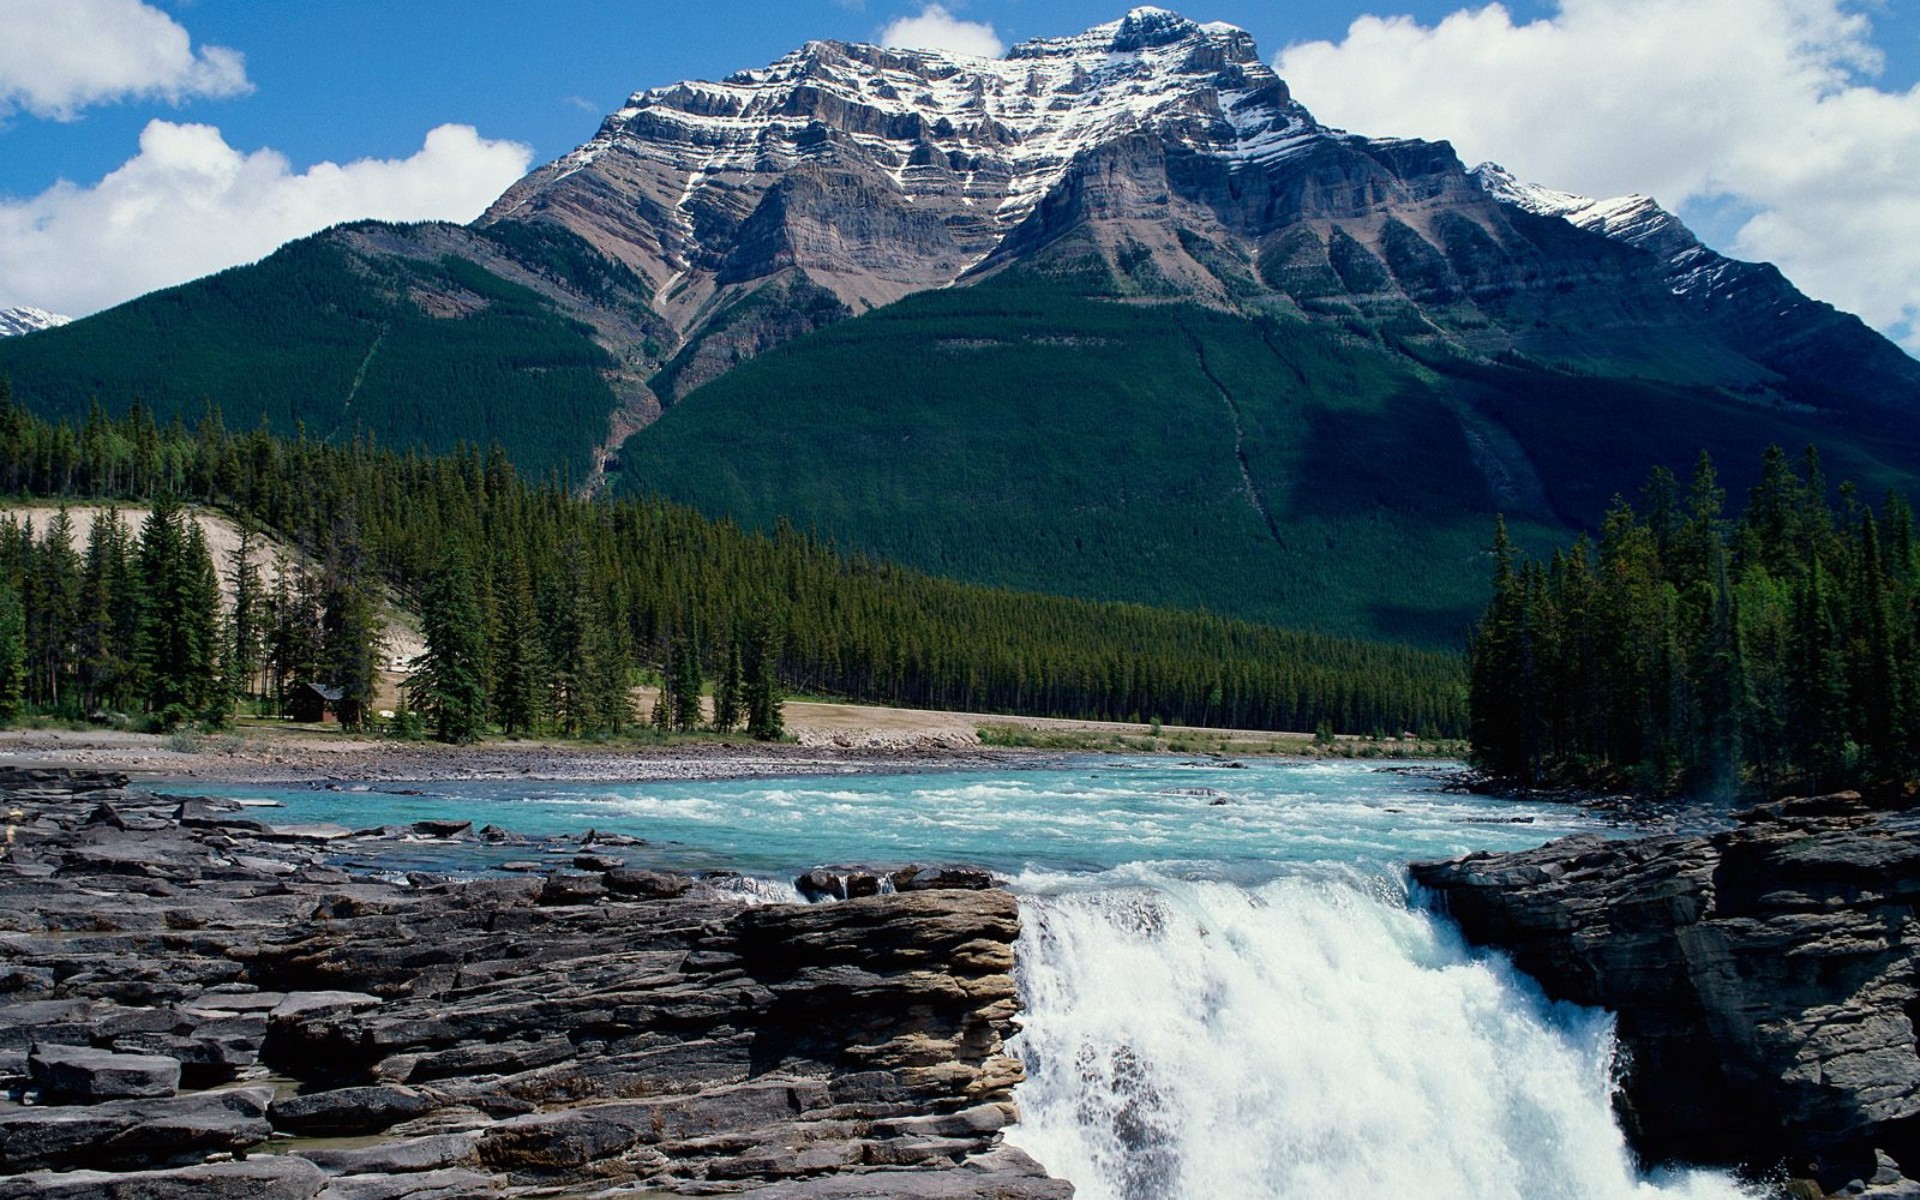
{"type": "Point", "coordinates": [1766, 980]}
{"type": "Point", "coordinates": [287, 758]}
{"type": "Point", "coordinates": [195, 1003]}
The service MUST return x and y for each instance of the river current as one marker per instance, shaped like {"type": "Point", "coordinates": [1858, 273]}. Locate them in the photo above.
{"type": "Point", "coordinates": [1230, 993]}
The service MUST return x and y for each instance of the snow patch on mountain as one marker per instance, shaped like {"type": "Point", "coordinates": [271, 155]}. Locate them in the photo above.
{"type": "Point", "coordinates": [16, 321]}
{"type": "Point", "coordinates": [1693, 269]}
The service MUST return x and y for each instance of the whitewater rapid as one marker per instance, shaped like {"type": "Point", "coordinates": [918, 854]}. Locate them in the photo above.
{"type": "Point", "coordinates": [1309, 1037]}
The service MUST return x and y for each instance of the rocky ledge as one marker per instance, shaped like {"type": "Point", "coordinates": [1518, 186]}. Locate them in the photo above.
{"type": "Point", "coordinates": [195, 1003]}
{"type": "Point", "coordinates": [1764, 980]}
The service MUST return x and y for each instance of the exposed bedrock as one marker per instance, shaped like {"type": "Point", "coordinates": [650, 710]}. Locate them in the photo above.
{"type": "Point", "coordinates": [194, 1002]}
{"type": "Point", "coordinates": [1763, 977]}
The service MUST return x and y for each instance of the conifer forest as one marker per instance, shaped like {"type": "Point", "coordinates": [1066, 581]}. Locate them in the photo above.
{"type": "Point", "coordinates": [1692, 649]}
{"type": "Point", "coordinates": [542, 610]}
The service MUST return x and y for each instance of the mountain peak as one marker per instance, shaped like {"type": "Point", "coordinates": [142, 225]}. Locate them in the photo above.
{"type": "Point", "coordinates": [1142, 29]}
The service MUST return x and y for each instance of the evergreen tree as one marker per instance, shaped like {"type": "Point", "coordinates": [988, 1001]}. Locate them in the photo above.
{"type": "Point", "coordinates": [246, 634]}
{"type": "Point", "coordinates": [687, 685]}
{"type": "Point", "coordinates": [728, 690]}
{"type": "Point", "coordinates": [53, 617]}
{"type": "Point", "coordinates": [109, 602]}
{"type": "Point", "coordinates": [519, 666]}
{"type": "Point", "coordinates": [13, 654]}
{"type": "Point", "coordinates": [295, 641]}
{"type": "Point", "coordinates": [765, 720]}
{"type": "Point", "coordinates": [447, 687]}
{"type": "Point", "coordinates": [178, 617]}
{"type": "Point", "coordinates": [351, 627]}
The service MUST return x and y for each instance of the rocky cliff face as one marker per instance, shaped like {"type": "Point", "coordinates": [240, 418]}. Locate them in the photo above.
{"type": "Point", "coordinates": [182, 985]}
{"type": "Point", "coordinates": [1764, 978]}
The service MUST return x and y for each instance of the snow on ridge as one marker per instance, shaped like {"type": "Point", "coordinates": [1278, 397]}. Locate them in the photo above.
{"type": "Point", "coordinates": [1028, 115]}
{"type": "Point", "coordinates": [1693, 268]}
{"type": "Point", "coordinates": [26, 319]}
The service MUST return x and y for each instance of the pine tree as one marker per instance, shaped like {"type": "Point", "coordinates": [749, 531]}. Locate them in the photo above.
{"type": "Point", "coordinates": [687, 684]}
{"type": "Point", "coordinates": [519, 666]}
{"type": "Point", "coordinates": [200, 615]}
{"type": "Point", "coordinates": [179, 611]}
{"type": "Point", "coordinates": [352, 632]}
{"type": "Point", "coordinates": [447, 686]}
{"type": "Point", "coordinates": [108, 599]}
{"type": "Point", "coordinates": [53, 617]}
{"type": "Point", "coordinates": [765, 720]}
{"type": "Point", "coordinates": [246, 636]}
{"type": "Point", "coordinates": [727, 690]}
{"type": "Point", "coordinates": [13, 654]}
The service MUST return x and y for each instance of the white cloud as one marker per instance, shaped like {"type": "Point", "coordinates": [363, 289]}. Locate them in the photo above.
{"type": "Point", "coordinates": [60, 56]}
{"type": "Point", "coordinates": [1765, 103]}
{"type": "Point", "coordinates": [189, 204]}
{"type": "Point", "coordinates": [937, 29]}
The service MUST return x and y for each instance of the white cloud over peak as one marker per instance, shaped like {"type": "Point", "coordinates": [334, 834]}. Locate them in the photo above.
{"type": "Point", "coordinates": [1763, 104]}
{"type": "Point", "coordinates": [189, 204]}
{"type": "Point", "coordinates": [60, 56]}
{"type": "Point", "coordinates": [938, 29]}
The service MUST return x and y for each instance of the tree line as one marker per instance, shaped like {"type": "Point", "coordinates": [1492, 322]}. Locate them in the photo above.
{"type": "Point", "coordinates": [549, 607]}
{"type": "Point", "coordinates": [1690, 650]}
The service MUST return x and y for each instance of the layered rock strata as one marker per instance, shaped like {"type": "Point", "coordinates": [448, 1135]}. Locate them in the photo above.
{"type": "Point", "coordinates": [195, 1002]}
{"type": "Point", "coordinates": [1764, 979]}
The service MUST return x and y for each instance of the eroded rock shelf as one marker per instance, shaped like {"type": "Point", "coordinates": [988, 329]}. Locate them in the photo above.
{"type": "Point", "coordinates": [195, 1003]}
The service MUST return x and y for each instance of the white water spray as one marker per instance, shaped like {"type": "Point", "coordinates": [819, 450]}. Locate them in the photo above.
{"type": "Point", "coordinates": [1201, 1041]}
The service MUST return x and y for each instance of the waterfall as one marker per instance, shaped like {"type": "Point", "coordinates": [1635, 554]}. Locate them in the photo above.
{"type": "Point", "coordinates": [1310, 1037]}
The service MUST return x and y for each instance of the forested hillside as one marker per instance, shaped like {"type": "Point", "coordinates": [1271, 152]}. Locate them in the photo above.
{"type": "Point", "coordinates": [575, 597]}
{"type": "Point", "coordinates": [1015, 433]}
{"type": "Point", "coordinates": [1691, 649]}
{"type": "Point", "coordinates": [371, 329]}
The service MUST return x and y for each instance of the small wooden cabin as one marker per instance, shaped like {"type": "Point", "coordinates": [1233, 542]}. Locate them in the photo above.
{"type": "Point", "coordinates": [314, 703]}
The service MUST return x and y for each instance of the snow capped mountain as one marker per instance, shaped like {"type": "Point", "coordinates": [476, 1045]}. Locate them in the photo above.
{"type": "Point", "coordinates": [15, 321]}
{"type": "Point", "coordinates": [865, 174]}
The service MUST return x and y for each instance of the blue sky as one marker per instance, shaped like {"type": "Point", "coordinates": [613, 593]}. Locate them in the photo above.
{"type": "Point", "coordinates": [1686, 99]}
{"type": "Point", "coordinates": [345, 79]}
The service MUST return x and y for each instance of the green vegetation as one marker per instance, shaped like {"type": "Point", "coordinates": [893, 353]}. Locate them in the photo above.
{"type": "Point", "coordinates": [1689, 651]}
{"type": "Point", "coordinates": [1015, 434]}
{"type": "Point", "coordinates": [576, 598]}
{"type": "Point", "coordinates": [319, 340]}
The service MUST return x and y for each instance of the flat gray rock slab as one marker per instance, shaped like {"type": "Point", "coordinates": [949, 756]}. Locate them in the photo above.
{"type": "Point", "coordinates": [85, 1075]}
{"type": "Point", "coordinates": [267, 1178]}
{"type": "Point", "coordinates": [313, 1004]}
{"type": "Point", "coordinates": [347, 1111]}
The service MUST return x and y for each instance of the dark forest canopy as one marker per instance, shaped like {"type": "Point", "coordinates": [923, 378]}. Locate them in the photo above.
{"type": "Point", "coordinates": [1691, 650]}
{"type": "Point", "coordinates": [576, 596]}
